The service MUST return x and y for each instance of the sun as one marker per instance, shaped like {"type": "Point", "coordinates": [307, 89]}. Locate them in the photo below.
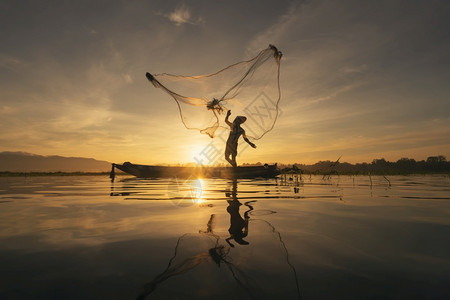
{"type": "Point", "coordinates": [204, 154]}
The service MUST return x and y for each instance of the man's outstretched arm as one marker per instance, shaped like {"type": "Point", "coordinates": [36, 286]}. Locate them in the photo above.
{"type": "Point", "coordinates": [226, 119]}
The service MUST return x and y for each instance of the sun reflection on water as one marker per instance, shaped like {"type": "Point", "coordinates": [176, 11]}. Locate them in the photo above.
{"type": "Point", "coordinates": [197, 193]}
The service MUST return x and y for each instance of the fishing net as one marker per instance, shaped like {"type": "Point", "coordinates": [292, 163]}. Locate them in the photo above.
{"type": "Point", "coordinates": [248, 88]}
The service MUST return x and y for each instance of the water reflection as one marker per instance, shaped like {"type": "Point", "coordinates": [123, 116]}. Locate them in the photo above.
{"type": "Point", "coordinates": [238, 226]}
{"type": "Point", "coordinates": [91, 245]}
{"type": "Point", "coordinates": [207, 248]}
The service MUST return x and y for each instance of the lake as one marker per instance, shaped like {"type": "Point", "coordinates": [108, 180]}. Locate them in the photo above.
{"type": "Point", "coordinates": [314, 237]}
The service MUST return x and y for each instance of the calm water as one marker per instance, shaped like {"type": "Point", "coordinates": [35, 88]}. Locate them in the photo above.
{"type": "Point", "coordinates": [339, 237]}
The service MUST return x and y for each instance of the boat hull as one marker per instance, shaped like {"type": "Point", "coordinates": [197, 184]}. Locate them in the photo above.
{"type": "Point", "coordinates": [146, 171]}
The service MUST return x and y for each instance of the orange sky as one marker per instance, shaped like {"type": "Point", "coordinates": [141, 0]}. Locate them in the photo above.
{"type": "Point", "coordinates": [359, 79]}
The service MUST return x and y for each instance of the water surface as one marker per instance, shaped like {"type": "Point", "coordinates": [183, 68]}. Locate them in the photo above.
{"type": "Point", "coordinates": [311, 237]}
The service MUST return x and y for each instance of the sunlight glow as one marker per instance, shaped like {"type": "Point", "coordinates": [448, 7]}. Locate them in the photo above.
{"type": "Point", "coordinates": [202, 154]}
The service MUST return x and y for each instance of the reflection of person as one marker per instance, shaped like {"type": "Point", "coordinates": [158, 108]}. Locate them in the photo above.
{"type": "Point", "coordinates": [235, 132]}
{"type": "Point", "coordinates": [238, 226]}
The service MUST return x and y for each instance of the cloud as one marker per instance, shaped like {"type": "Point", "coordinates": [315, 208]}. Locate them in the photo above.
{"type": "Point", "coordinates": [356, 77]}
{"type": "Point", "coordinates": [127, 78]}
{"type": "Point", "coordinates": [182, 15]}
{"type": "Point", "coordinates": [6, 110]}
{"type": "Point", "coordinates": [276, 31]}
{"type": "Point", "coordinates": [11, 63]}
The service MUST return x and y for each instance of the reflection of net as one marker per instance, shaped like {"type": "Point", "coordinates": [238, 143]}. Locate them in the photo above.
{"type": "Point", "coordinates": [250, 88]}
{"type": "Point", "coordinates": [262, 212]}
{"type": "Point", "coordinates": [260, 270]}
{"type": "Point", "coordinates": [182, 263]}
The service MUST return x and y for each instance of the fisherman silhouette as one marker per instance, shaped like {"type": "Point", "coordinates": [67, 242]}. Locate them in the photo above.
{"type": "Point", "coordinates": [235, 132]}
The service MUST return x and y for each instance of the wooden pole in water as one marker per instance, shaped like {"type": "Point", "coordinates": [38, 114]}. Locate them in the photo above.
{"type": "Point", "coordinates": [112, 174]}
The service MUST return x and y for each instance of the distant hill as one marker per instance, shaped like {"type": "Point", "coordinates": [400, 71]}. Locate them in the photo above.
{"type": "Point", "coordinates": [27, 162]}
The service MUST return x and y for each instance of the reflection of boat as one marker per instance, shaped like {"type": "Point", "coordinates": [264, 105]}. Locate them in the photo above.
{"type": "Point", "coordinates": [144, 171]}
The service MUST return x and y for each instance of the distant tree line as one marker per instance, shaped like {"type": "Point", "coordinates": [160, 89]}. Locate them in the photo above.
{"type": "Point", "coordinates": [433, 164]}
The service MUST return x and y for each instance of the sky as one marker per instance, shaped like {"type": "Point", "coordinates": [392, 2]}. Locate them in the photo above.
{"type": "Point", "coordinates": [359, 79]}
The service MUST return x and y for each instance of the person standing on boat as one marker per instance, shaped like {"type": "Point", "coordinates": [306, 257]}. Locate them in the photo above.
{"type": "Point", "coordinates": [235, 132]}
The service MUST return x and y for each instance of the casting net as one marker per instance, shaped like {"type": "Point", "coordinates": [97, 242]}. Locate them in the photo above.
{"type": "Point", "coordinates": [248, 88]}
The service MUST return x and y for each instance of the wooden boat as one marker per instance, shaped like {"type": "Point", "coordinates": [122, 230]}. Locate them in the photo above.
{"type": "Point", "coordinates": [145, 171]}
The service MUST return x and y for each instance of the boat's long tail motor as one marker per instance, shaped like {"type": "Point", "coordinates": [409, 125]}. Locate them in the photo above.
{"type": "Point", "coordinates": [112, 174]}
